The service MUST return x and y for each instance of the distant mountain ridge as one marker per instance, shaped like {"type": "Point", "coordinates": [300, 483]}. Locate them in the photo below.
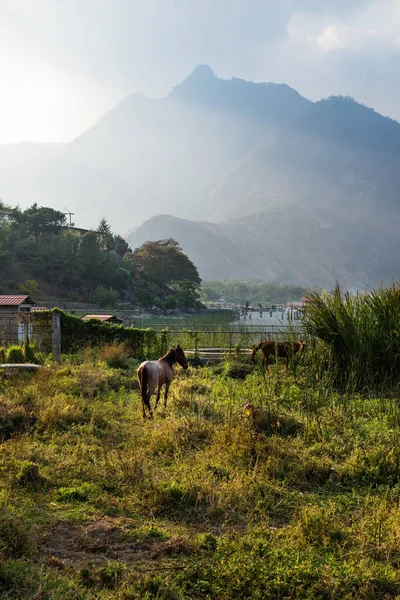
{"type": "Point", "coordinates": [270, 184]}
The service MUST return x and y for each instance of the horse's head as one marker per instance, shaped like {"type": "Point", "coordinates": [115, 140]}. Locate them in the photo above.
{"type": "Point", "coordinates": [180, 357]}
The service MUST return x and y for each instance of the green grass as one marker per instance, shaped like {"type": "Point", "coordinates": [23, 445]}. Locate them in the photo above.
{"type": "Point", "coordinates": [247, 486]}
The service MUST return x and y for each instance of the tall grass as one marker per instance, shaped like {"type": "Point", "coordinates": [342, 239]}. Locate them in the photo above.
{"type": "Point", "coordinates": [361, 334]}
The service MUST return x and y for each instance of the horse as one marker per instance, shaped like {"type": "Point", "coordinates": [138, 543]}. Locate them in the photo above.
{"type": "Point", "coordinates": [281, 349]}
{"type": "Point", "coordinates": [155, 373]}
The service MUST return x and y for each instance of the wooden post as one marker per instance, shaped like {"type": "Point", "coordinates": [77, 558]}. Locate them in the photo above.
{"type": "Point", "coordinates": [56, 336]}
{"type": "Point", "coordinates": [26, 332]}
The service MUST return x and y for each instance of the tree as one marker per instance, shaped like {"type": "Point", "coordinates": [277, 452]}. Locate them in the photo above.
{"type": "Point", "coordinates": [158, 266]}
{"type": "Point", "coordinates": [29, 287]}
{"type": "Point", "coordinates": [106, 297]}
{"type": "Point", "coordinates": [39, 220]}
{"type": "Point", "coordinates": [104, 227]}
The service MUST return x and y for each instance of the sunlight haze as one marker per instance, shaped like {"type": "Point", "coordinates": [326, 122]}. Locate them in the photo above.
{"type": "Point", "coordinates": [64, 63]}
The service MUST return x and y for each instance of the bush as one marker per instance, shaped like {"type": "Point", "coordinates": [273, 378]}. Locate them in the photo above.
{"type": "Point", "coordinates": [115, 355]}
{"type": "Point", "coordinates": [15, 354]}
{"type": "Point", "coordinates": [15, 540]}
{"type": "Point", "coordinates": [30, 356]}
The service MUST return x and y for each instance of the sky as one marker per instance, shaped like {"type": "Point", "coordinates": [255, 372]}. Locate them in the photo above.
{"type": "Point", "coordinates": [64, 63]}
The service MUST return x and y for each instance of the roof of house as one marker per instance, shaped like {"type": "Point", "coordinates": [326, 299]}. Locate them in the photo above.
{"type": "Point", "coordinates": [15, 300]}
{"type": "Point", "coordinates": [102, 318]}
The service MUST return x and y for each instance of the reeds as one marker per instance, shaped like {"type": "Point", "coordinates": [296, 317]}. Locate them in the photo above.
{"type": "Point", "coordinates": [361, 333]}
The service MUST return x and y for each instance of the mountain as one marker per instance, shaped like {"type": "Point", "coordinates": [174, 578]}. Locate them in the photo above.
{"type": "Point", "coordinates": [252, 179]}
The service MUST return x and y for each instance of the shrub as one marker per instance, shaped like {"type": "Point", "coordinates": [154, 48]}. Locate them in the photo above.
{"type": "Point", "coordinates": [29, 354]}
{"type": "Point", "coordinates": [115, 355]}
{"type": "Point", "coordinates": [15, 540]}
{"type": "Point", "coordinates": [15, 354]}
{"type": "Point", "coordinates": [2, 355]}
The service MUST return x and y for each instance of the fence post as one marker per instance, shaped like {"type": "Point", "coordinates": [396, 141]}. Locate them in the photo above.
{"type": "Point", "coordinates": [26, 332]}
{"type": "Point", "coordinates": [56, 336]}
{"type": "Point", "coordinates": [230, 343]}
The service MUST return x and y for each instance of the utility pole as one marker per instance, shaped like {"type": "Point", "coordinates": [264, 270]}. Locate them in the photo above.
{"type": "Point", "coordinates": [70, 214]}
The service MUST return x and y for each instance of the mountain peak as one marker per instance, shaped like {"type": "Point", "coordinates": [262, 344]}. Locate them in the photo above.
{"type": "Point", "coordinates": [202, 71]}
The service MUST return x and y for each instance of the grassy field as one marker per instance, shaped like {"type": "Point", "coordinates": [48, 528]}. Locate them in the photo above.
{"type": "Point", "coordinates": [294, 496]}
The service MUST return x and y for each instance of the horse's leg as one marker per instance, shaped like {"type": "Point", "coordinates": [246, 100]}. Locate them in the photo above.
{"type": "Point", "coordinates": [149, 407]}
{"type": "Point", "coordinates": [265, 361]}
{"type": "Point", "coordinates": [142, 390]}
{"type": "Point", "coordinates": [152, 389]}
{"type": "Point", "coordinates": [158, 395]}
{"type": "Point", "coordinates": [167, 384]}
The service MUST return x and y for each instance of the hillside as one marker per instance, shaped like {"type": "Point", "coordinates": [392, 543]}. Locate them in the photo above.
{"type": "Point", "coordinates": [322, 177]}
{"type": "Point", "coordinates": [292, 245]}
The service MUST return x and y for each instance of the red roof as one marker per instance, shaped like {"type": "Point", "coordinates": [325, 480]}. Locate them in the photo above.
{"type": "Point", "coordinates": [14, 300]}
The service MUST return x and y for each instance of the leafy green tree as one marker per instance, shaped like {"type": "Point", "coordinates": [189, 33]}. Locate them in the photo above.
{"type": "Point", "coordinates": [106, 297]}
{"type": "Point", "coordinates": [38, 220]}
{"type": "Point", "coordinates": [158, 266]}
{"type": "Point", "coordinates": [29, 287]}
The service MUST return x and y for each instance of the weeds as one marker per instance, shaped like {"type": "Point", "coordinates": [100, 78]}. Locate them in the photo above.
{"type": "Point", "coordinates": [272, 486]}
{"type": "Point", "coordinates": [115, 355]}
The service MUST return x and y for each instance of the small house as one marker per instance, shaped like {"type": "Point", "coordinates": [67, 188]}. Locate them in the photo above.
{"type": "Point", "coordinates": [105, 319]}
{"type": "Point", "coordinates": [13, 304]}
{"type": "Point", "coordinates": [13, 309]}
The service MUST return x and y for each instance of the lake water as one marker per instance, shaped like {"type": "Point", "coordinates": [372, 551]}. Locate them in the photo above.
{"type": "Point", "coordinates": [278, 318]}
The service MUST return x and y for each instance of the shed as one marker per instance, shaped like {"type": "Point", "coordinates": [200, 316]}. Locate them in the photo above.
{"type": "Point", "coordinates": [13, 323]}
{"type": "Point", "coordinates": [104, 318]}
{"type": "Point", "coordinates": [12, 304]}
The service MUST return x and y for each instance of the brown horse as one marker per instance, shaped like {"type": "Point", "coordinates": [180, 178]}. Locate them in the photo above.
{"type": "Point", "coordinates": [281, 349]}
{"type": "Point", "coordinates": [155, 373]}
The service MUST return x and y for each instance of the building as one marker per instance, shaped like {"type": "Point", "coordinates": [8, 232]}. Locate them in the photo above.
{"type": "Point", "coordinates": [104, 319]}
{"type": "Point", "coordinates": [13, 321]}
{"type": "Point", "coordinates": [13, 304]}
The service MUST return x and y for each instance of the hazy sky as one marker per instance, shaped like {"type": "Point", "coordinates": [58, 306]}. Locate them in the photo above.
{"type": "Point", "coordinates": [63, 63]}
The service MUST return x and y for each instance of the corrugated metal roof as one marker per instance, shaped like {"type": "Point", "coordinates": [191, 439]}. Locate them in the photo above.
{"type": "Point", "coordinates": [101, 317]}
{"type": "Point", "coordinates": [14, 300]}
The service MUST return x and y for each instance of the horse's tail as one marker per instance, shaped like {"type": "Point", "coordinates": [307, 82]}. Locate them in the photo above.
{"type": "Point", "coordinates": [256, 349]}
{"type": "Point", "coordinates": [143, 380]}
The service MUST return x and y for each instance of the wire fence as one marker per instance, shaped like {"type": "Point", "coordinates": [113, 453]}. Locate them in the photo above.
{"type": "Point", "coordinates": [46, 336]}
{"type": "Point", "coordinates": [229, 339]}
{"type": "Point", "coordinates": [18, 328]}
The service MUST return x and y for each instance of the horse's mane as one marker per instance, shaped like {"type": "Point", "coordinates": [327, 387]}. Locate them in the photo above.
{"type": "Point", "coordinates": [170, 356]}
